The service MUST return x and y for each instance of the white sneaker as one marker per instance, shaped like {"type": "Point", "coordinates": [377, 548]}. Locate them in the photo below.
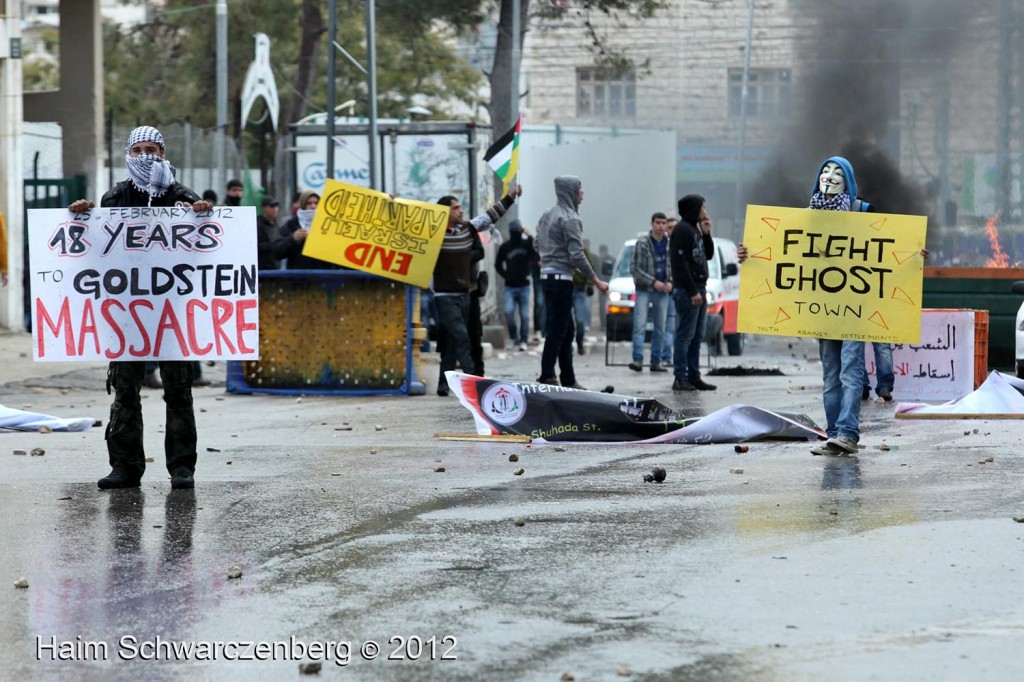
{"type": "Point", "coordinates": [522, 346]}
{"type": "Point", "coordinates": [510, 345]}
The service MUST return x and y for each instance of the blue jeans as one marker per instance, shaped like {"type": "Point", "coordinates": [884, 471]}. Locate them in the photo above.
{"type": "Point", "coordinates": [453, 326]}
{"type": "Point", "coordinates": [581, 313]}
{"type": "Point", "coordinates": [842, 366]}
{"type": "Point", "coordinates": [668, 341]}
{"type": "Point", "coordinates": [517, 299]}
{"type": "Point", "coordinates": [689, 335]}
{"type": "Point", "coordinates": [657, 303]}
{"type": "Point", "coordinates": [560, 331]}
{"type": "Point", "coordinates": [884, 376]}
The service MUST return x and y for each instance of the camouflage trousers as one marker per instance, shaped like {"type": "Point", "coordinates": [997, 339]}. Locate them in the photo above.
{"type": "Point", "coordinates": [124, 430]}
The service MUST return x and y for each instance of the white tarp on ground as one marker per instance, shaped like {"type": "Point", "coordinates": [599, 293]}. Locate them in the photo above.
{"type": "Point", "coordinates": [19, 420]}
{"type": "Point", "coordinates": [1000, 394]}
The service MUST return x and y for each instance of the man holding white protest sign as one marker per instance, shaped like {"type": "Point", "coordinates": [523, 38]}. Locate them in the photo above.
{"type": "Point", "coordinates": [162, 226]}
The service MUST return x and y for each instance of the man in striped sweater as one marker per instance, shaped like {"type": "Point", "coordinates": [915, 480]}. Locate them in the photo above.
{"type": "Point", "coordinates": [453, 275]}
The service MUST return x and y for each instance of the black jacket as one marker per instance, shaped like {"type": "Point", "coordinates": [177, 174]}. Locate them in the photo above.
{"type": "Point", "coordinates": [125, 194]}
{"type": "Point", "coordinates": [266, 232]}
{"type": "Point", "coordinates": [689, 248]}
{"type": "Point", "coordinates": [514, 260]}
{"type": "Point", "coordinates": [286, 247]}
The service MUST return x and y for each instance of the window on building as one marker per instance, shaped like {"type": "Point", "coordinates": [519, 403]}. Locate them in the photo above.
{"type": "Point", "coordinates": [768, 94]}
{"type": "Point", "coordinates": [597, 94]}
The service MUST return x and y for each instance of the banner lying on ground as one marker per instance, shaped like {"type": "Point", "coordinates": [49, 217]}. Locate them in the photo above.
{"type": "Point", "coordinates": [19, 420]}
{"type": "Point", "coordinates": [555, 414]}
{"type": "Point", "coordinates": [160, 283]}
{"type": "Point", "coordinates": [368, 230]}
{"type": "Point", "coordinates": [832, 274]}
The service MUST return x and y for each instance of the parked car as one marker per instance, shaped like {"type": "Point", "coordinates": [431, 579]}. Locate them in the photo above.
{"type": "Point", "coordinates": [1018, 355]}
{"type": "Point", "coordinates": [723, 298]}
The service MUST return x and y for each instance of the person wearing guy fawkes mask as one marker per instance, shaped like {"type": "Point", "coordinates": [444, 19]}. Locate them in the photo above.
{"type": "Point", "coordinates": [150, 183]}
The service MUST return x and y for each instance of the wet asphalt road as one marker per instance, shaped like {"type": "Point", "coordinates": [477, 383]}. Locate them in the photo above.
{"type": "Point", "coordinates": [904, 565]}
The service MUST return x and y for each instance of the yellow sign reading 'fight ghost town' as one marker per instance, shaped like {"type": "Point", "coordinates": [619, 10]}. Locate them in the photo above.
{"type": "Point", "coordinates": [832, 274]}
{"type": "Point", "coordinates": [367, 230]}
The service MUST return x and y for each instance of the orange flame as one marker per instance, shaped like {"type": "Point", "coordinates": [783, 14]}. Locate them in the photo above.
{"type": "Point", "coordinates": [999, 258]}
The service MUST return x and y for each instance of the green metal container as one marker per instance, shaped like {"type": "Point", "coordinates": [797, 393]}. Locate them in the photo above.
{"type": "Point", "coordinates": [980, 289]}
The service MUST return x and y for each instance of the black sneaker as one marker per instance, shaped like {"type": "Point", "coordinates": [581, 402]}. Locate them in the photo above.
{"type": "Point", "coordinates": [636, 367]}
{"type": "Point", "coordinates": [117, 478]}
{"type": "Point", "coordinates": [658, 368]}
{"type": "Point", "coordinates": [885, 394]}
{"type": "Point", "coordinates": [866, 393]}
{"type": "Point", "coordinates": [443, 391]}
{"type": "Point", "coordinates": [683, 385]}
{"type": "Point", "coordinates": [182, 480]}
{"type": "Point", "coordinates": [575, 385]}
{"type": "Point", "coordinates": [551, 381]}
{"type": "Point", "coordinates": [702, 385]}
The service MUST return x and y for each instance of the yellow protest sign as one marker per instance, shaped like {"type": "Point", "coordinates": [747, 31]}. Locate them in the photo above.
{"type": "Point", "coordinates": [367, 230]}
{"type": "Point", "coordinates": [832, 274]}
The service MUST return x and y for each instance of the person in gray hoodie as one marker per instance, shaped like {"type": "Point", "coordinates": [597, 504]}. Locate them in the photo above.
{"type": "Point", "coordinates": [560, 239]}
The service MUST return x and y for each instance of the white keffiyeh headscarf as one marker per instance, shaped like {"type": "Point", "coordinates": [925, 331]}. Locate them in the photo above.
{"type": "Point", "coordinates": [148, 172]}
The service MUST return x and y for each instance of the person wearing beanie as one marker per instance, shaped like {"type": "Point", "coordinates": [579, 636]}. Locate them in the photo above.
{"type": "Point", "coordinates": [514, 260]}
{"type": "Point", "coordinates": [150, 183]}
{"type": "Point", "coordinates": [690, 247]}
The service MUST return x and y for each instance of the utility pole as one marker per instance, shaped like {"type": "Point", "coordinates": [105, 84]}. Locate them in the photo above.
{"type": "Point", "coordinates": [1003, 103]}
{"type": "Point", "coordinates": [371, 58]}
{"type": "Point", "coordinates": [222, 94]}
{"type": "Point", "coordinates": [744, 93]}
{"type": "Point", "coordinates": [332, 29]}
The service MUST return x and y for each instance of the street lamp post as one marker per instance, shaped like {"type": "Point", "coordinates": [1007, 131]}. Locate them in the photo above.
{"type": "Point", "coordinates": [222, 91]}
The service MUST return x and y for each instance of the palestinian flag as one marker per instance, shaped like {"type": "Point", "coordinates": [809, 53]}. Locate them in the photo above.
{"type": "Point", "coordinates": [503, 155]}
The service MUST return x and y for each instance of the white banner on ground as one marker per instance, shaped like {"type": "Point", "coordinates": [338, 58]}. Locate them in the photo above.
{"type": "Point", "coordinates": [941, 366]}
{"type": "Point", "coordinates": [160, 283]}
{"type": "Point", "coordinates": [20, 420]}
{"type": "Point", "coordinates": [1001, 394]}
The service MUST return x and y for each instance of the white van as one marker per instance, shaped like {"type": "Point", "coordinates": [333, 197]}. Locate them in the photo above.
{"type": "Point", "coordinates": [723, 298]}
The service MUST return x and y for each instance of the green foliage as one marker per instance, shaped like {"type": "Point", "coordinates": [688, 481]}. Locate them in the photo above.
{"type": "Point", "coordinates": [39, 74]}
{"type": "Point", "coordinates": [165, 70]}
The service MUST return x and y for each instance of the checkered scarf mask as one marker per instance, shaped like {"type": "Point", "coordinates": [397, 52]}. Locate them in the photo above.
{"type": "Point", "coordinates": [148, 172]}
{"type": "Point", "coordinates": [836, 202]}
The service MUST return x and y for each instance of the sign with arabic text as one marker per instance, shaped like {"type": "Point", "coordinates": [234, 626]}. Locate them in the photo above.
{"type": "Point", "coordinates": [940, 366]}
{"type": "Point", "coordinates": [367, 230]}
{"type": "Point", "coordinates": [832, 274]}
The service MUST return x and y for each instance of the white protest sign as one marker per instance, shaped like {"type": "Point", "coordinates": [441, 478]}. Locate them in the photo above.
{"type": "Point", "coordinates": [159, 283]}
{"type": "Point", "coordinates": [941, 366]}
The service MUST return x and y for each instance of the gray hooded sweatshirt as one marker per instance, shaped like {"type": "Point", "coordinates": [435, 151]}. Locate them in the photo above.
{"type": "Point", "coordinates": [560, 233]}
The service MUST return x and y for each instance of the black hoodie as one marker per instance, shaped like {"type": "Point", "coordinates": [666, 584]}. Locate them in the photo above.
{"type": "Point", "coordinates": [690, 248]}
{"type": "Point", "coordinates": [515, 257]}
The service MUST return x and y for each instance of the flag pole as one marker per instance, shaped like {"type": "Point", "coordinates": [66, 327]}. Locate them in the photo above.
{"type": "Point", "coordinates": [513, 212]}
